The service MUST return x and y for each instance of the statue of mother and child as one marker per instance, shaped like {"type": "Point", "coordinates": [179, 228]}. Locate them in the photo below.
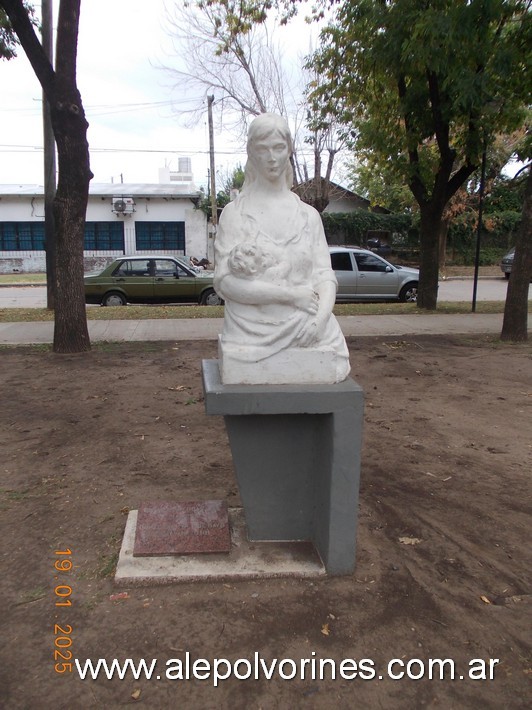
{"type": "Point", "coordinates": [273, 270]}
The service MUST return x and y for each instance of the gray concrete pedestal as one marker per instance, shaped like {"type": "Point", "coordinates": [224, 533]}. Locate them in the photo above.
{"type": "Point", "coordinates": [296, 452]}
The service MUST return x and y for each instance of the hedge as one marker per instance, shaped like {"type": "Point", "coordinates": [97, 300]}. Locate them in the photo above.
{"type": "Point", "coordinates": [353, 227]}
{"type": "Point", "coordinates": [498, 234]}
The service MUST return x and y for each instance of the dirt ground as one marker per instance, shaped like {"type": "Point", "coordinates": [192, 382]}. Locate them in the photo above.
{"type": "Point", "coordinates": [443, 555]}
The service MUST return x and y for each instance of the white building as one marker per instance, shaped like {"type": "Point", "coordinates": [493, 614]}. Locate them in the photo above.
{"type": "Point", "coordinates": [121, 219]}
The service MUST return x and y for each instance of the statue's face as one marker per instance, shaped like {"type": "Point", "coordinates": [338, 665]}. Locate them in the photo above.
{"type": "Point", "coordinates": [270, 155]}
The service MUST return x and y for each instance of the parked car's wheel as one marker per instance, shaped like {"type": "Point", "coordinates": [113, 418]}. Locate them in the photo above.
{"type": "Point", "coordinates": [408, 294]}
{"type": "Point", "coordinates": [210, 298]}
{"type": "Point", "coordinates": [114, 298]}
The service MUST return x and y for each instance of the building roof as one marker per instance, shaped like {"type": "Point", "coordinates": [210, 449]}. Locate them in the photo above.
{"type": "Point", "coordinates": [114, 189]}
{"type": "Point", "coordinates": [337, 192]}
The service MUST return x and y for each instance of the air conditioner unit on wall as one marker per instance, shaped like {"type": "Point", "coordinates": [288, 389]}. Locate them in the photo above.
{"type": "Point", "coordinates": [123, 205]}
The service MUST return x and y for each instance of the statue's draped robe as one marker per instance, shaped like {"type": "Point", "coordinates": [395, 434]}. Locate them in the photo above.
{"type": "Point", "coordinates": [258, 331]}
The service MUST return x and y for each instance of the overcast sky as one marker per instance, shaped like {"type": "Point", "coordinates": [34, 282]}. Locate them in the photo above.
{"type": "Point", "coordinates": [129, 104]}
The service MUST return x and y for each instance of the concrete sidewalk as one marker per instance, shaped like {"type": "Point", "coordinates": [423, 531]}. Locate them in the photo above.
{"type": "Point", "coordinates": [209, 328]}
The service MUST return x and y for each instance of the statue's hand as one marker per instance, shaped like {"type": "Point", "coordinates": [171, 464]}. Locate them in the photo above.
{"type": "Point", "coordinates": [306, 299]}
{"type": "Point", "coordinates": [308, 334]}
{"type": "Point", "coordinates": [312, 331]}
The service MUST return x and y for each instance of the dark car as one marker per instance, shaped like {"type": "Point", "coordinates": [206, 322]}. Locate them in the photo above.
{"type": "Point", "coordinates": [378, 246]}
{"type": "Point", "coordinates": [365, 276]}
{"type": "Point", "coordinates": [150, 279]}
{"type": "Point", "coordinates": [507, 263]}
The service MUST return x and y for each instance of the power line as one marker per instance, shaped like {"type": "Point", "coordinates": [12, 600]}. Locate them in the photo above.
{"type": "Point", "coordinates": [106, 109]}
{"type": "Point", "coordinates": [7, 148]}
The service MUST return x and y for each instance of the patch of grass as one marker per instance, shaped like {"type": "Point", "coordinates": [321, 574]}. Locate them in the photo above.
{"type": "Point", "coordinates": [33, 595]}
{"type": "Point", "coordinates": [18, 278]}
{"type": "Point", "coordinates": [38, 348]}
{"type": "Point", "coordinates": [108, 565]}
{"type": "Point", "coordinates": [383, 309]}
{"type": "Point", "coordinates": [91, 603]}
{"type": "Point", "coordinates": [15, 495]}
{"type": "Point", "coordinates": [25, 315]}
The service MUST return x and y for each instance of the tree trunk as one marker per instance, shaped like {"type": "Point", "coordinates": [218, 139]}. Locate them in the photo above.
{"type": "Point", "coordinates": [442, 242]}
{"type": "Point", "coordinates": [70, 130]}
{"type": "Point", "coordinates": [515, 322]}
{"type": "Point", "coordinates": [430, 226]}
{"type": "Point", "coordinates": [71, 333]}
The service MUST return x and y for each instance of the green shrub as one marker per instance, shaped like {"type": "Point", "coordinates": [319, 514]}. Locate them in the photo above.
{"type": "Point", "coordinates": [497, 236]}
{"type": "Point", "coordinates": [353, 227]}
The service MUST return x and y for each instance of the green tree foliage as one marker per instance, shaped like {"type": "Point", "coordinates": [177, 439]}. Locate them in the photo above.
{"type": "Point", "coordinates": [8, 42]}
{"type": "Point", "coordinates": [234, 180]}
{"type": "Point", "coordinates": [507, 195]}
{"type": "Point", "coordinates": [425, 87]}
{"type": "Point", "coordinates": [231, 181]}
{"type": "Point", "coordinates": [8, 39]}
{"type": "Point", "coordinates": [501, 222]}
{"type": "Point", "coordinates": [380, 184]}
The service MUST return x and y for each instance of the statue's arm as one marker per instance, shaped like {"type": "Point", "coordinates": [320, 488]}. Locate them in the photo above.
{"type": "Point", "coordinates": [326, 291]}
{"type": "Point", "coordinates": [324, 283]}
{"type": "Point", "coordinates": [249, 291]}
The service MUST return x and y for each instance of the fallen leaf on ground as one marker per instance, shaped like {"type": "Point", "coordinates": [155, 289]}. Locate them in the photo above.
{"type": "Point", "coordinates": [117, 597]}
{"type": "Point", "coordinates": [485, 599]}
{"type": "Point", "coordinates": [325, 629]}
{"type": "Point", "coordinates": [410, 540]}
{"type": "Point", "coordinates": [136, 694]}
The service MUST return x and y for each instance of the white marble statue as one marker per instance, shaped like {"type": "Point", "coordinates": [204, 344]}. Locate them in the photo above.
{"type": "Point", "coordinates": [274, 271]}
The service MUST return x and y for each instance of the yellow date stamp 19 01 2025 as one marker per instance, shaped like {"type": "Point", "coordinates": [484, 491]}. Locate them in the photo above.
{"type": "Point", "coordinates": [62, 598]}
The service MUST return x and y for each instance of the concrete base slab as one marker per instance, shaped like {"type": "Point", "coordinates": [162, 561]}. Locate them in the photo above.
{"type": "Point", "coordinates": [246, 560]}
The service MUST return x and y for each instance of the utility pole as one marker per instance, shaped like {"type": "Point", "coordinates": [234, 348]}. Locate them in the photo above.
{"type": "Point", "coordinates": [479, 228]}
{"type": "Point", "coordinates": [214, 209]}
{"type": "Point", "coordinates": [49, 162]}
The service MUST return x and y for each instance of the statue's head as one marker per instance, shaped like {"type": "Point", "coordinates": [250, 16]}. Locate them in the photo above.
{"type": "Point", "coordinates": [264, 127]}
{"type": "Point", "coordinates": [268, 124]}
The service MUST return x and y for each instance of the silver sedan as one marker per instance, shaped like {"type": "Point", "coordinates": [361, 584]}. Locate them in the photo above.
{"type": "Point", "coordinates": [365, 276]}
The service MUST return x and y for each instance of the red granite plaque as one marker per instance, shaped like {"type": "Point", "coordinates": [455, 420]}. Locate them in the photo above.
{"type": "Point", "coordinates": [185, 528]}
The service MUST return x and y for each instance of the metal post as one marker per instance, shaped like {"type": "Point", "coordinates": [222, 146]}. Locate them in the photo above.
{"type": "Point", "coordinates": [214, 209]}
{"type": "Point", "coordinates": [479, 227]}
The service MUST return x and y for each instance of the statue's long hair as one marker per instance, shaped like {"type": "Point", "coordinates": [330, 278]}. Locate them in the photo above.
{"type": "Point", "coordinates": [265, 125]}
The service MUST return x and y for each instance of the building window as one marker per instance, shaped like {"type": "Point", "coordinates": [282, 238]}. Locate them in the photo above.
{"type": "Point", "coordinates": [21, 236]}
{"type": "Point", "coordinates": [160, 235]}
{"type": "Point", "coordinates": [104, 236]}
